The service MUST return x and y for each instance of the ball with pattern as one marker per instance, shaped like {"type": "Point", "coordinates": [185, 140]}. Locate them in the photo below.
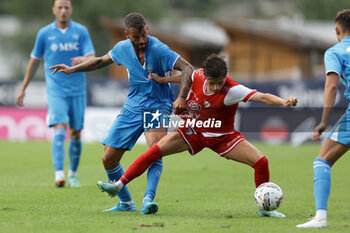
{"type": "Point", "coordinates": [268, 196]}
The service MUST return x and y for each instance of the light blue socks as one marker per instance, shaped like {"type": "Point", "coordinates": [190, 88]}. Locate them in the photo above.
{"type": "Point", "coordinates": [74, 153]}
{"type": "Point", "coordinates": [322, 182]}
{"type": "Point", "coordinates": [153, 176]}
{"type": "Point", "coordinates": [114, 174]}
{"type": "Point", "coordinates": [57, 149]}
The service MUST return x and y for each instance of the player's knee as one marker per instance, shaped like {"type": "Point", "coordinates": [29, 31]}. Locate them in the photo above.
{"type": "Point", "coordinates": [75, 133]}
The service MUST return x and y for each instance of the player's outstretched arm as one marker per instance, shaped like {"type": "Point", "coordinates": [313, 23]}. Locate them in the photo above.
{"type": "Point", "coordinates": [31, 68]}
{"type": "Point", "coordinates": [77, 60]}
{"type": "Point", "coordinates": [272, 100]}
{"type": "Point", "coordinates": [330, 93]}
{"type": "Point", "coordinates": [89, 65]}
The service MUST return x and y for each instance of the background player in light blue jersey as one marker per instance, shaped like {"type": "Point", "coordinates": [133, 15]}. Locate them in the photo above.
{"type": "Point", "coordinates": [142, 55]}
{"type": "Point", "coordinates": [337, 63]}
{"type": "Point", "coordinates": [68, 42]}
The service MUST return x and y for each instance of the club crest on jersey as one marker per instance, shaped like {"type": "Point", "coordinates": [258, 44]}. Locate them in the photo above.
{"type": "Point", "coordinates": [193, 106]}
{"type": "Point", "coordinates": [149, 68]}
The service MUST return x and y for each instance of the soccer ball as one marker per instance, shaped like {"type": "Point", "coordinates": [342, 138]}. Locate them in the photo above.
{"type": "Point", "coordinates": [268, 196]}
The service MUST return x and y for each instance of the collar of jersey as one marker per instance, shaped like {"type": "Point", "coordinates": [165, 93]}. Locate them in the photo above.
{"type": "Point", "coordinates": [70, 24]}
{"type": "Point", "coordinates": [346, 38]}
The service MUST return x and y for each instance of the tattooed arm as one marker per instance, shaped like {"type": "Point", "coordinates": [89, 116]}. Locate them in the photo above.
{"type": "Point", "coordinates": [89, 65]}
{"type": "Point", "coordinates": [186, 83]}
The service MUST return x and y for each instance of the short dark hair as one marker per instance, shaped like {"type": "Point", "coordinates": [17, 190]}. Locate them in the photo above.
{"type": "Point", "coordinates": [135, 20]}
{"type": "Point", "coordinates": [53, 2]}
{"type": "Point", "coordinates": [343, 19]}
{"type": "Point", "coordinates": [215, 66]}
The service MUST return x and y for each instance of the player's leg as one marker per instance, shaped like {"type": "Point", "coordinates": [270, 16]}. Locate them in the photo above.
{"type": "Point", "coordinates": [58, 119]}
{"type": "Point", "coordinates": [154, 172]}
{"type": "Point", "coordinates": [74, 151]}
{"type": "Point", "coordinates": [170, 144]}
{"type": "Point", "coordinates": [330, 152]}
{"type": "Point", "coordinates": [245, 152]}
{"type": "Point", "coordinates": [58, 153]}
{"type": "Point", "coordinates": [77, 105]}
{"type": "Point", "coordinates": [121, 136]}
{"type": "Point", "coordinates": [111, 162]}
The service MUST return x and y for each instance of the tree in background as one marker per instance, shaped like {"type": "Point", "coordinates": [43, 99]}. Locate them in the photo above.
{"type": "Point", "coordinates": [321, 9]}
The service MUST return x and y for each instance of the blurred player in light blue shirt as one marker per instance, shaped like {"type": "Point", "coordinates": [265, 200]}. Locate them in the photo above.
{"type": "Point", "coordinates": [337, 63]}
{"type": "Point", "coordinates": [144, 57]}
{"type": "Point", "coordinates": [68, 42]}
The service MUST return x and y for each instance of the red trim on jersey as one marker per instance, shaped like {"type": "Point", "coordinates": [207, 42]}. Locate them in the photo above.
{"type": "Point", "coordinates": [249, 96]}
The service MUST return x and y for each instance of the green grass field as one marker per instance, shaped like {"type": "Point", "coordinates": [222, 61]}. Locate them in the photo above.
{"type": "Point", "coordinates": [204, 193]}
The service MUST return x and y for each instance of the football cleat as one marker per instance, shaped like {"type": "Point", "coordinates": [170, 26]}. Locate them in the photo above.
{"type": "Point", "coordinates": [272, 213]}
{"type": "Point", "coordinates": [122, 207]}
{"type": "Point", "coordinates": [313, 223]}
{"type": "Point", "coordinates": [107, 187]}
{"type": "Point", "coordinates": [60, 182]}
{"type": "Point", "coordinates": [73, 182]}
{"type": "Point", "coordinates": [149, 207]}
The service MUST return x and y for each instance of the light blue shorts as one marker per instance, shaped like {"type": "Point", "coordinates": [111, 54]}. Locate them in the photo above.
{"type": "Point", "coordinates": [66, 110]}
{"type": "Point", "coordinates": [127, 128]}
{"type": "Point", "coordinates": [341, 131]}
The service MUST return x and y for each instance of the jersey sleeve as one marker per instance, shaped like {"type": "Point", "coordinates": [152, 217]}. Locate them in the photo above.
{"type": "Point", "coordinates": [168, 57]}
{"type": "Point", "coordinates": [332, 62]}
{"type": "Point", "coordinates": [114, 54]}
{"type": "Point", "coordinates": [238, 93]}
{"type": "Point", "coordinates": [87, 46]}
{"type": "Point", "coordinates": [39, 46]}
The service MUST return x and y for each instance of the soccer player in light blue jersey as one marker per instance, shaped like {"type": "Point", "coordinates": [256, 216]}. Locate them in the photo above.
{"type": "Point", "coordinates": [337, 63]}
{"type": "Point", "coordinates": [68, 42]}
{"type": "Point", "coordinates": [142, 55]}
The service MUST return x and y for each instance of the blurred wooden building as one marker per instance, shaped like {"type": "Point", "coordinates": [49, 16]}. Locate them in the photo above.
{"type": "Point", "coordinates": [255, 49]}
{"type": "Point", "coordinates": [277, 50]}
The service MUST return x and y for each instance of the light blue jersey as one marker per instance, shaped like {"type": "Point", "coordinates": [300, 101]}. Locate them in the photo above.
{"type": "Point", "coordinates": [337, 59]}
{"type": "Point", "coordinates": [59, 47]}
{"type": "Point", "coordinates": [146, 94]}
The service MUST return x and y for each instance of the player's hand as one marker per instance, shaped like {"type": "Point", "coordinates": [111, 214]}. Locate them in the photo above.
{"type": "Point", "coordinates": [291, 101]}
{"type": "Point", "coordinates": [62, 68]}
{"type": "Point", "coordinates": [77, 60]}
{"type": "Point", "coordinates": [155, 77]}
{"type": "Point", "coordinates": [19, 98]}
{"type": "Point", "coordinates": [318, 130]}
{"type": "Point", "coordinates": [180, 105]}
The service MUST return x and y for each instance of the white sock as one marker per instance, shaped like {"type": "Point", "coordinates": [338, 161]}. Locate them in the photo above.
{"type": "Point", "coordinates": [59, 175]}
{"type": "Point", "coordinates": [321, 215]}
{"type": "Point", "coordinates": [119, 185]}
{"type": "Point", "coordinates": [127, 202]}
{"type": "Point", "coordinates": [71, 173]}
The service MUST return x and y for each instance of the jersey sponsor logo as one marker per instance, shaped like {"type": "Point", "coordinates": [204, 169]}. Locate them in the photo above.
{"type": "Point", "coordinates": [206, 104]}
{"type": "Point", "coordinates": [193, 106]}
{"type": "Point", "coordinates": [69, 46]}
{"type": "Point", "coordinates": [348, 49]}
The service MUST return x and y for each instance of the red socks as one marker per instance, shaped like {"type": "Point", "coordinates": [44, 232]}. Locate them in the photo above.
{"type": "Point", "coordinates": [141, 164]}
{"type": "Point", "coordinates": [262, 173]}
